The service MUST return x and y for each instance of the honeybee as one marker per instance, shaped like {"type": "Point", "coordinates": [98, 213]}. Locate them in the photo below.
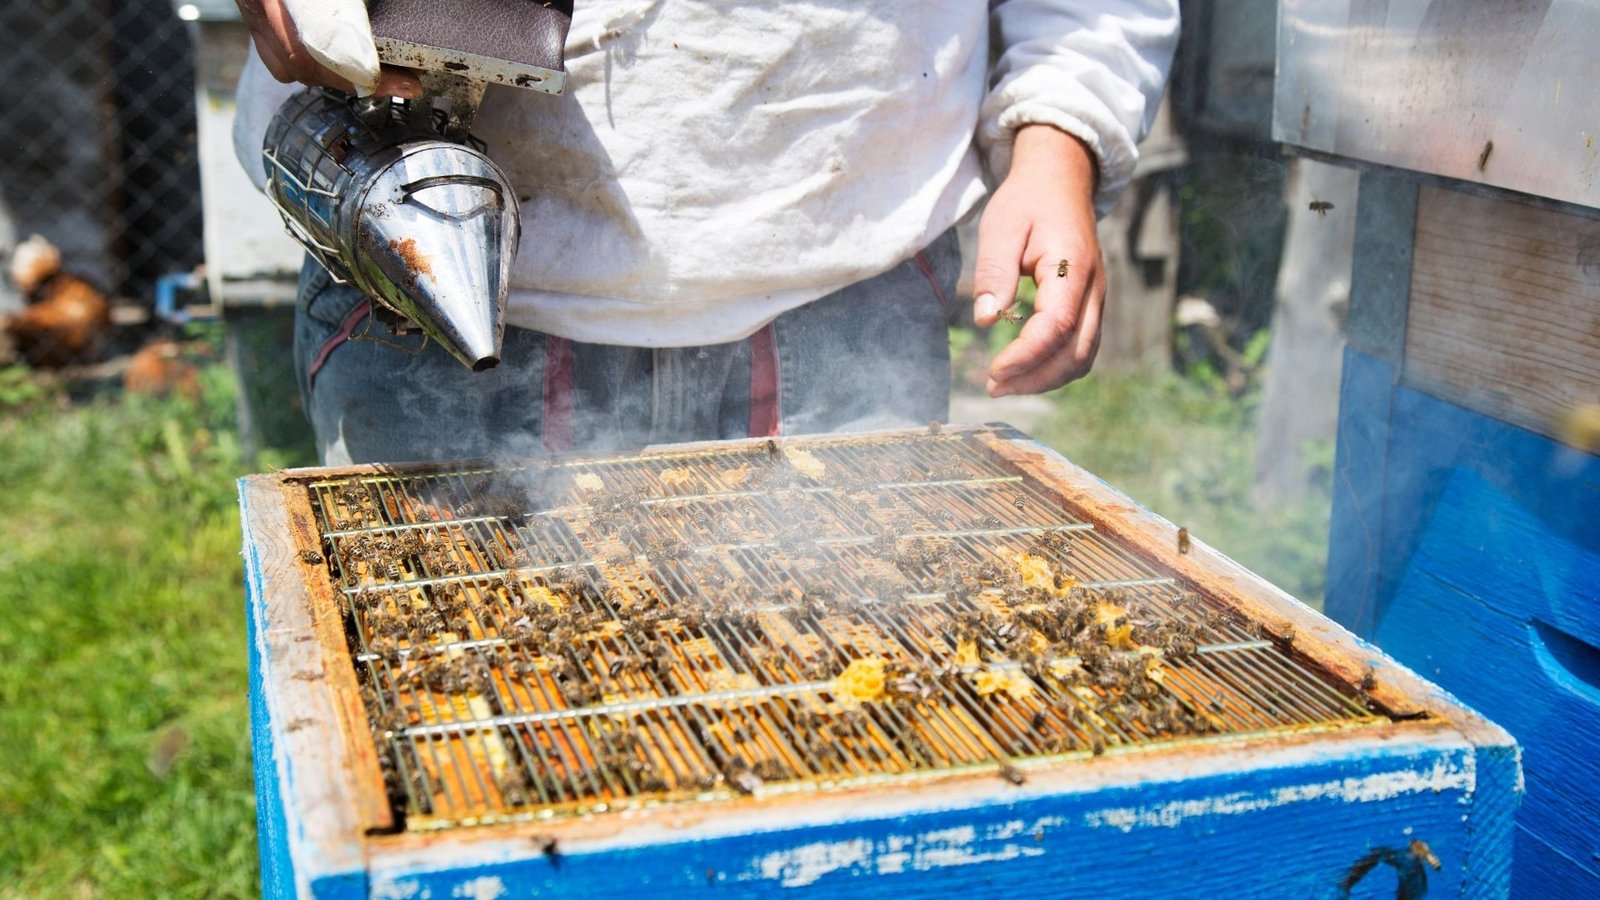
{"type": "Point", "coordinates": [1009, 314]}
{"type": "Point", "coordinates": [1420, 850]}
{"type": "Point", "coordinates": [1183, 542]}
{"type": "Point", "coordinates": [310, 557]}
{"type": "Point", "coordinates": [1013, 774]}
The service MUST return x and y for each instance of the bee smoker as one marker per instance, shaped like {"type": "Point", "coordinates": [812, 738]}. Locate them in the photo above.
{"type": "Point", "coordinates": [396, 197]}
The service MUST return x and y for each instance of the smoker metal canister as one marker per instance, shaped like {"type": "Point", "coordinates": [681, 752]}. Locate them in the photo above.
{"type": "Point", "coordinates": [427, 227]}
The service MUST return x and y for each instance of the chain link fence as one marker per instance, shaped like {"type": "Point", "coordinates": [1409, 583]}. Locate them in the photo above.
{"type": "Point", "coordinates": [97, 143]}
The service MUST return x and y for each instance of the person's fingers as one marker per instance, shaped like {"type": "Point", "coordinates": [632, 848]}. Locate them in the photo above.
{"type": "Point", "coordinates": [1057, 288]}
{"type": "Point", "coordinates": [1073, 360]}
{"type": "Point", "coordinates": [1057, 312]}
{"type": "Point", "coordinates": [267, 49]}
{"type": "Point", "coordinates": [278, 42]}
{"type": "Point", "coordinates": [1002, 235]}
{"type": "Point", "coordinates": [394, 81]}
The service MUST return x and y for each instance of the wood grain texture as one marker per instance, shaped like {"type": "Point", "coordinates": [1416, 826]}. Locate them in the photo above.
{"type": "Point", "coordinates": [298, 721]}
{"type": "Point", "coordinates": [1504, 311]}
{"type": "Point", "coordinates": [365, 771]}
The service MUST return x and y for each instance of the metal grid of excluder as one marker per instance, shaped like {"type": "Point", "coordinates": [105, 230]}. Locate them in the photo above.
{"type": "Point", "coordinates": [592, 634]}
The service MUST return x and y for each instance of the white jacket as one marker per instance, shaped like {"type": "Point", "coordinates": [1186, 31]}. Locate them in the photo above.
{"type": "Point", "coordinates": [713, 164]}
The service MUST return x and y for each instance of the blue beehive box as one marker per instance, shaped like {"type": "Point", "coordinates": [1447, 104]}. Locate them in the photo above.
{"type": "Point", "coordinates": [1466, 519]}
{"type": "Point", "coordinates": [946, 662]}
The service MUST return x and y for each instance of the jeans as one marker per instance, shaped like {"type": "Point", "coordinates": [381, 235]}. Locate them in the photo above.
{"type": "Point", "coordinates": [872, 355]}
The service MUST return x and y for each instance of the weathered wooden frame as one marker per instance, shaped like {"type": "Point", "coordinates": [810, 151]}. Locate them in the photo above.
{"type": "Point", "coordinates": [1291, 814]}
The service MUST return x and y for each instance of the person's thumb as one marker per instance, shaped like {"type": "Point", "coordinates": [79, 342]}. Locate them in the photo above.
{"type": "Point", "coordinates": [994, 275]}
{"type": "Point", "coordinates": [337, 35]}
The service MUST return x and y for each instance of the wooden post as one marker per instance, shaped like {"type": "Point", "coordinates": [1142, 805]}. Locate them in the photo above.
{"type": "Point", "coordinates": [1301, 398]}
{"type": "Point", "coordinates": [1139, 242]}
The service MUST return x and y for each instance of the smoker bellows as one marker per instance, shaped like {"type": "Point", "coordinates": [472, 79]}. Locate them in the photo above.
{"type": "Point", "coordinates": [922, 657]}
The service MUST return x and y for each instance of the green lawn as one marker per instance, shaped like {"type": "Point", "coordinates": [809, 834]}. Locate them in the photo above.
{"type": "Point", "coordinates": [1186, 449]}
{"type": "Point", "coordinates": [124, 739]}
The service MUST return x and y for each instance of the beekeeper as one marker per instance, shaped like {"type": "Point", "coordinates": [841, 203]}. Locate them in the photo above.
{"type": "Point", "coordinates": [738, 218]}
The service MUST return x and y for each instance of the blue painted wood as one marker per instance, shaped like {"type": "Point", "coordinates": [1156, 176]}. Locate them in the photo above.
{"type": "Point", "coordinates": [1487, 580]}
{"type": "Point", "coordinates": [1288, 831]}
{"type": "Point", "coordinates": [277, 867]}
{"type": "Point", "coordinates": [1355, 533]}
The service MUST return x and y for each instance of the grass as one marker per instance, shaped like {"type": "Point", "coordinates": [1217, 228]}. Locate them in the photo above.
{"type": "Point", "coordinates": [1186, 449]}
{"type": "Point", "coordinates": [124, 738]}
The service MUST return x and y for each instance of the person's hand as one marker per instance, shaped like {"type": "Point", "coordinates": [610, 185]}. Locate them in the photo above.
{"type": "Point", "coordinates": [324, 42]}
{"type": "Point", "coordinates": [1041, 215]}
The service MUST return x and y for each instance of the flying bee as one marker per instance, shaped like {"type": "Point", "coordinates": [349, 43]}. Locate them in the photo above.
{"type": "Point", "coordinates": [1183, 542]}
{"type": "Point", "coordinates": [1320, 207]}
{"type": "Point", "coordinates": [1062, 268]}
{"type": "Point", "coordinates": [770, 447]}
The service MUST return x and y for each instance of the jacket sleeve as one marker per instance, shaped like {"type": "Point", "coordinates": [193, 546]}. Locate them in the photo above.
{"type": "Point", "coordinates": [258, 99]}
{"type": "Point", "coordinates": [1092, 68]}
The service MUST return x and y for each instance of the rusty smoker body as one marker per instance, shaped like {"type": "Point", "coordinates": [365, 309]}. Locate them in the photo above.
{"type": "Point", "coordinates": [426, 226]}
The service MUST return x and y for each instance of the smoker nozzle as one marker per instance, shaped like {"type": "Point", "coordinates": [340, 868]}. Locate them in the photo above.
{"type": "Point", "coordinates": [427, 227]}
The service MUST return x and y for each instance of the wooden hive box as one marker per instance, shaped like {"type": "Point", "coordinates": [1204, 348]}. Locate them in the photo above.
{"type": "Point", "coordinates": [1292, 759]}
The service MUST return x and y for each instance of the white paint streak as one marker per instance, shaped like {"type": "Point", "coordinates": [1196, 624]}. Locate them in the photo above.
{"type": "Point", "coordinates": [895, 853]}
{"type": "Point", "coordinates": [1442, 776]}
{"type": "Point", "coordinates": [390, 889]}
{"type": "Point", "coordinates": [803, 865]}
{"type": "Point", "coordinates": [484, 887]}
